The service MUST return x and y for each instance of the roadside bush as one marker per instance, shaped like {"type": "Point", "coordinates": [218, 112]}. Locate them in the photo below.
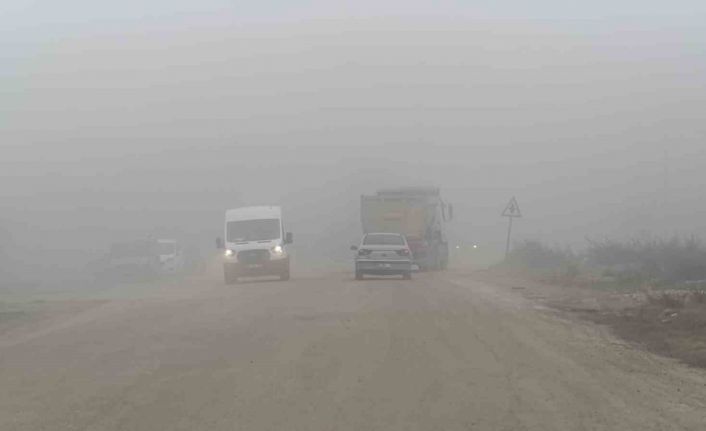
{"type": "Point", "coordinates": [673, 260]}
{"type": "Point", "coordinates": [542, 259]}
{"type": "Point", "coordinates": [657, 263]}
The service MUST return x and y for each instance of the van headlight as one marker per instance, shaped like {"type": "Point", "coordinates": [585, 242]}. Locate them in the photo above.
{"type": "Point", "coordinates": [278, 250]}
{"type": "Point", "coordinates": [228, 253]}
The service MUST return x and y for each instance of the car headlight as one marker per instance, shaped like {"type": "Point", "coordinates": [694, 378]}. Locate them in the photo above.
{"type": "Point", "coordinates": [228, 253]}
{"type": "Point", "coordinates": [277, 250]}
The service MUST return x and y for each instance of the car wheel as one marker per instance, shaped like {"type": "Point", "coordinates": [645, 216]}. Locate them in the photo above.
{"type": "Point", "coordinates": [407, 276]}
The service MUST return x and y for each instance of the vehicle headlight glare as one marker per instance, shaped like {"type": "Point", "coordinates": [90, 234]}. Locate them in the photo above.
{"type": "Point", "coordinates": [229, 253]}
{"type": "Point", "coordinates": [277, 249]}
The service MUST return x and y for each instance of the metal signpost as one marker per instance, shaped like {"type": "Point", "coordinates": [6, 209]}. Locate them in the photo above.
{"type": "Point", "coordinates": [511, 211]}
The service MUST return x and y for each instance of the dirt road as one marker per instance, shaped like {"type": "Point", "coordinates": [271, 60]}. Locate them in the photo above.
{"type": "Point", "coordinates": [443, 352]}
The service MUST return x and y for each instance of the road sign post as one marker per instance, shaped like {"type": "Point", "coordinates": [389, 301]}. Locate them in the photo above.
{"type": "Point", "coordinates": [511, 211]}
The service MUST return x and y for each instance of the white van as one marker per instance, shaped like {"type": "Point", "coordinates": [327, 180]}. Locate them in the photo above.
{"type": "Point", "coordinates": [255, 243]}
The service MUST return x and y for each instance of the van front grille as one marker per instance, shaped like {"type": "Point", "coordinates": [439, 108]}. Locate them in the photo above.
{"type": "Point", "coordinates": [253, 256]}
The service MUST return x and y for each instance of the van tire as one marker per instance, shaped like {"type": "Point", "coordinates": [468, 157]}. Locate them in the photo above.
{"type": "Point", "coordinates": [229, 277]}
{"type": "Point", "coordinates": [284, 276]}
{"type": "Point", "coordinates": [407, 275]}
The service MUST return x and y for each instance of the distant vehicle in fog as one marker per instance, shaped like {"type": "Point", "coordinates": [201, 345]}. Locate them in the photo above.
{"type": "Point", "coordinates": [171, 256]}
{"type": "Point", "coordinates": [383, 254]}
{"type": "Point", "coordinates": [130, 260]}
{"type": "Point", "coordinates": [146, 259]}
{"type": "Point", "coordinates": [194, 262]}
{"type": "Point", "coordinates": [418, 213]}
{"type": "Point", "coordinates": [255, 243]}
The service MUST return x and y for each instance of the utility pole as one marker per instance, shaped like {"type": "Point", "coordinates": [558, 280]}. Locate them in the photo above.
{"type": "Point", "coordinates": [511, 211]}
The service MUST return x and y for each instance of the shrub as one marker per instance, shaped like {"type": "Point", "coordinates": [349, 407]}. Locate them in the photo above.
{"type": "Point", "coordinates": [673, 260]}
{"type": "Point", "coordinates": [534, 255]}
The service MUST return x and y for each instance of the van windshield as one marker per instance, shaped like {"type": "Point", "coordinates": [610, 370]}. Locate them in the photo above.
{"type": "Point", "coordinates": [253, 230]}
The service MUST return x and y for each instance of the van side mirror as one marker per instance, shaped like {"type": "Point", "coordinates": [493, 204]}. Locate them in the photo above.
{"type": "Point", "coordinates": [219, 243]}
{"type": "Point", "coordinates": [289, 238]}
{"type": "Point", "coordinates": [354, 247]}
{"type": "Point", "coordinates": [451, 212]}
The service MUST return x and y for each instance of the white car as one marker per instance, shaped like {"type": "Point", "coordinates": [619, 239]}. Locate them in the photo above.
{"type": "Point", "coordinates": [383, 254]}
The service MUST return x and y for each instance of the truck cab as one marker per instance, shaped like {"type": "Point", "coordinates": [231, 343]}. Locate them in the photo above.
{"type": "Point", "coordinates": [255, 243]}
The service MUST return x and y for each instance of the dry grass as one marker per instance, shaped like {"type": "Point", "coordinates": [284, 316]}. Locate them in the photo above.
{"type": "Point", "coordinates": [668, 275]}
{"type": "Point", "coordinates": [669, 323]}
{"type": "Point", "coordinates": [676, 300]}
{"type": "Point", "coordinates": [672, 260]}
{"type": "Point", "coordinates": [699, 297]}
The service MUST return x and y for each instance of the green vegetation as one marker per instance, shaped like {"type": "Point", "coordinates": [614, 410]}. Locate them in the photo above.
{"type": "Point", "coordinates": [609, 264]}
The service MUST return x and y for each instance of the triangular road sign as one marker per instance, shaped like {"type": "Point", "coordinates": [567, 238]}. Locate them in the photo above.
{"type": "Point", "coordinates": [512, 209]}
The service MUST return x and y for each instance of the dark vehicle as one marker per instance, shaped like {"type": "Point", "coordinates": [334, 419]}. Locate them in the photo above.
{"type": "Point", "coordinates": [383, 254]}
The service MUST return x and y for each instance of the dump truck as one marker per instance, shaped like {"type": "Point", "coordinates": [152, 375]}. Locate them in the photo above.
{"type": "Point", "coordinates": [418, 213]}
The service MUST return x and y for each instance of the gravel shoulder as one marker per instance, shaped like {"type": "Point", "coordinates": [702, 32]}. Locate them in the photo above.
{"type": "Point", "coordinates": [671, 323]}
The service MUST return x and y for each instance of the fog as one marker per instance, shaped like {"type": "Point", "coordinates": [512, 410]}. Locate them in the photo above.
{"type": "Point", "coordinates": [124, 123]}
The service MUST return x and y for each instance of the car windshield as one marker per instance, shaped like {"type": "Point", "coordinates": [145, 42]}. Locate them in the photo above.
{"type": "Point", "coordinates": [253, 230]}
{"type": "Point", "coordinates": [383, 239]}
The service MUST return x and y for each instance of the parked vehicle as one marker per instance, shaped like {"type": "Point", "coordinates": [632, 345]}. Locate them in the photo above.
{"type": "Point", "coordinates": [419, 214]}
{"type": "Point", "coordinates": [194, 262]}
{"type": "Point", "coordinates": [171, 256]}
{"type": "Point", "coordinates": [130, 260]}
{"type": "Point", "coordinates": [255, 243]}
{"type": "Point", "coordinates": [383, 254]}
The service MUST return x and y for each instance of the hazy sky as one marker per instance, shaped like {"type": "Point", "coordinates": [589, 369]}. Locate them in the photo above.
{"type": "Point", "coordinates": [139, 116]}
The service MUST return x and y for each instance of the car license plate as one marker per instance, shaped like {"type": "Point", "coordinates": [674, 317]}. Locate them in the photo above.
{"type": "Point", "coordinates": [255, 265]}
{"type": "Point", "coordinates": [384, 265]}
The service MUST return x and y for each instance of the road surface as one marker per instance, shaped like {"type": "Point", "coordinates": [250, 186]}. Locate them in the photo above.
{"type": "Point", "coordinates": [442, 352]}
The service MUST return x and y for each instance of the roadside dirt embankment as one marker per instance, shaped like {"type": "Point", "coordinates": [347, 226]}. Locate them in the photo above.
{"type": "Point", "coordinates": [669, 322]}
